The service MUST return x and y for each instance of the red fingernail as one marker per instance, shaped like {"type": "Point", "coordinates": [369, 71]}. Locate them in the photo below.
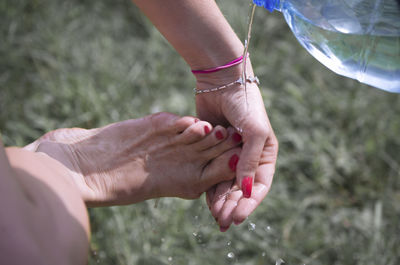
{"type": "Point", "coordinates": [237, 137]}
{"type": "Point", "coordinates": [196, 120]}
{"type": "Point", "coordinates": [206, 129]}
{"type": "Point", "coordinates": [233, 162]}
{"type": "Point", "coordinates": [223, 229]}
{"type": "Point", "coordinates": [219, 135]}
{"type": "Point", "coordinates": [247, 185]}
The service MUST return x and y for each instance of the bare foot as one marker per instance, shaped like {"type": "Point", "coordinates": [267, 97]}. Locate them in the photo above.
{"type": "Point", "coordinates": [156, 156]}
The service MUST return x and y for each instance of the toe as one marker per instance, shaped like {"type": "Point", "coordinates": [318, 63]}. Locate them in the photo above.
{"type": "Point", "coordinates": [195, 132]}
{"type": "Point", "coordinates": [231, 140]}
{"type": "Point", "coordinates": [165, 123]}
{"type": "Point", "coordinates": [217, 136]}
{"type": "Point", "coordinates": [183, 123]}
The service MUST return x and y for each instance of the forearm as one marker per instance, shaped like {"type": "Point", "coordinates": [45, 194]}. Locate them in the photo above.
{"type": "Point", "coordinates": [41, 211]}
{"type": "Point", "coordinates": [196, 29]}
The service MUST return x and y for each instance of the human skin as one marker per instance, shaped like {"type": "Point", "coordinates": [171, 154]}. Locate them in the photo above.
{"type": "Point", "coordinates": [202, 36]}
{"type": "Point", "coordinates": [44, 187]}
{"type": "Point", "coordinates": [43, 219]}
{"type": "Point", "coordinates": [160, 155]}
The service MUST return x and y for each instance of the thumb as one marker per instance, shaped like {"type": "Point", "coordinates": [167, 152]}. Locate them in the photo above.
{"type": "Point", "coordinates": [253, 145]}
{"type": "Point", "coordinates": [220, 169]}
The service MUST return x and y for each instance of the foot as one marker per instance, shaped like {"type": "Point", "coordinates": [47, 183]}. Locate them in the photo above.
{"type": "Point", "coordinates": [156, 156]}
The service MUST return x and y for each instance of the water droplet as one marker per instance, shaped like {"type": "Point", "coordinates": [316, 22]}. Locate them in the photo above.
{"type": "Point", "coordinates": [169, 258]}
{"type": "Point", "coordinates": [268, 228]}
{"type": "Point", "coordinates": [251, 226]}
{"type": "Point", "coordinates": [194, 234]}
{"type": "Point", "coordinates": [229, 243]}
{"type": "Point", "coordinates": [196, 217]}
{"type": "Point", "coordinates": [231, 255]}
{"type": "Point", "coordinates": [102, 255]}
{"type": "Point", "coordinates": [263, 254]}
{"type": "Point", "coordinates": [279, 262]}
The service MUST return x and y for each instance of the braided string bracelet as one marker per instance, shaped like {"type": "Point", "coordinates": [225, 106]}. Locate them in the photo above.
{"type": "Point", "coordinates": [250, 79]}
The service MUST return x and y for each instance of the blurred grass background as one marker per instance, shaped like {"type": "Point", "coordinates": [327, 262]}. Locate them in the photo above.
{"type": "Point", "coordinates": [336, 195]}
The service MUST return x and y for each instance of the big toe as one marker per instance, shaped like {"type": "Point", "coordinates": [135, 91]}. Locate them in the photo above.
{"type": "Point", "coordinates": [195, 132]}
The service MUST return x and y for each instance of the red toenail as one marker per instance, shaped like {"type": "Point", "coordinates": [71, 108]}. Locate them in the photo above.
{"type": "Point", "coordinates": [196, 120]}
{"type": "Point", "coordinates": [237, 137]}
{"type": "Point", "coordinates": [206, 129]}
{"type": "Point", "coordinates": [233, 162]}
{"type": "Point", "coordinates": [247, 186]}
{"type": "Point", "coordinates": [219, 135]}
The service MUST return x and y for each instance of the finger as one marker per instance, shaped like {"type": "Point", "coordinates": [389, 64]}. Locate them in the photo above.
{"type": "Point", "coordinates": [221, 192]}
{"type": "Point", "coordinates": [210, 196]}
{"type": "Point", "coordinates": [221, 168]}
{"type": "Point", "coordinates": [225, 217]}
{"type": "Point", "coordinates": [253, 144]}
{"type": "Point", "coordinates": [262, 185]}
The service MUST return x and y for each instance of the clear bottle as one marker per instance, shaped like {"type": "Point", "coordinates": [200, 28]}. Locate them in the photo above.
{"type": "Point", "coordinates": [359, 39]}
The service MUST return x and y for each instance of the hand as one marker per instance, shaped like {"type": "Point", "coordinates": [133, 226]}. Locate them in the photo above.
{"type": "Point", "coordinates": [233, 201]}
{"type": "Point", "coordinates": [157, 156]}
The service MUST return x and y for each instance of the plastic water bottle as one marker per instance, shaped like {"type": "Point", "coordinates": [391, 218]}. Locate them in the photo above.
{"type": "Point", "coordinates": [359, 39]}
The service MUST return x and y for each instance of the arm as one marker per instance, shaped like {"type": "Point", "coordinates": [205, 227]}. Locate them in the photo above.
{"type": "Point", "coordinates": [42, 217]}
{"type": "Point", "coordinates": [196, 29]}
{"type": "Point", "coordinates": [202, 36]}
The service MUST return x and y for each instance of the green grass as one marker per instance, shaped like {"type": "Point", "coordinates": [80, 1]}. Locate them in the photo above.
{"type": "Point", "coordinates": [336, 195]}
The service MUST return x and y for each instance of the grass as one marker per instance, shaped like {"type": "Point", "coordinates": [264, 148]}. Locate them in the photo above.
{"type": "Point", "coordinates": [336, 195]}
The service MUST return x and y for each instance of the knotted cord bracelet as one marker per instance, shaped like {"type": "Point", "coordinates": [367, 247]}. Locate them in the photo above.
{"type": "Point", "coordinates": [236, 61]}
{"type": "Point", "coordinates": [250, 79]}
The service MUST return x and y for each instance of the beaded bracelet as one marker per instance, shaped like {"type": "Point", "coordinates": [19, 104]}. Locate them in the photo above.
{"type": "Point", "coordinates": [250, 79]}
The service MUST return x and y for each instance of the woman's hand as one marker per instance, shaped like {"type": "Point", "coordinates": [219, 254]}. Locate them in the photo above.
{"type": "Point", "coordinates": [202, 36]}
{"type": "Point", "coordinates": [233, 201]}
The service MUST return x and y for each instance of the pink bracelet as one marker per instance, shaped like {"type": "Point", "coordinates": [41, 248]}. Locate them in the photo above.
{"type": "Point", "coordinates": [218, 68]}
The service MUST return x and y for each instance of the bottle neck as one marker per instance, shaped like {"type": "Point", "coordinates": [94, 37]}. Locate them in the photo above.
{"type": "Point", "coordinates": [270, 5]}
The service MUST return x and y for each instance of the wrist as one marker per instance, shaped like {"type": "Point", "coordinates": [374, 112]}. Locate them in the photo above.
{"type": "Point", "coordinates": [222, 77]}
